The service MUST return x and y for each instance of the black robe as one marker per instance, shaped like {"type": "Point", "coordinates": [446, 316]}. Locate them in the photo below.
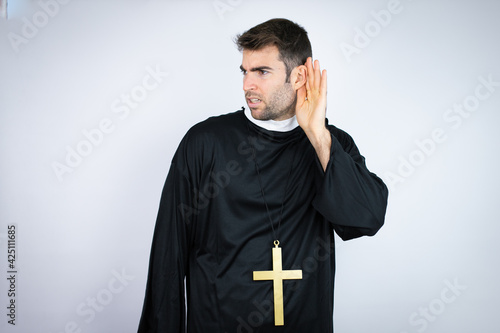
{"type": "Point", "coordinates": [213, 228]}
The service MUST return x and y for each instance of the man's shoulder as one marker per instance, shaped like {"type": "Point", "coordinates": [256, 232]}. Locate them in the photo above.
{"type": "Point", "coordinates": [218, 124]}
{"type": "Point", "coordinates": [214, 131]}
{"type": "Point", "coordinates": [207, 136]}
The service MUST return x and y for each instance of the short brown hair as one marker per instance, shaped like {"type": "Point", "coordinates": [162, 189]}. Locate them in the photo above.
{"type": "Point", "coordinates": [290, 38]}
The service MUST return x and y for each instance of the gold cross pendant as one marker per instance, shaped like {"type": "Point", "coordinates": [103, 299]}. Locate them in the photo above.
{"type": "Point", "coordinates": [277, 275]}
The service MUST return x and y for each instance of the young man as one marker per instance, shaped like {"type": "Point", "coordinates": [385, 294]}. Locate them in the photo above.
{"type": "Point", "coordinates": [252, 200]}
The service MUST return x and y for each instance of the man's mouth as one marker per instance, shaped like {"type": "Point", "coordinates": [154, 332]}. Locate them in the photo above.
{"type": "Point", "coordinates": [253, 102]}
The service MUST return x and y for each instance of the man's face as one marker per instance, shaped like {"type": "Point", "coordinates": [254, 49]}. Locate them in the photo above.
{"type": "Point", "coordinates": [267, 93]}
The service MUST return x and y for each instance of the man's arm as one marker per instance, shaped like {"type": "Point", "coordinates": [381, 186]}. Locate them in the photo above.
{"type": "Point", "coordinates": [348, 195]}
{"type": "Point", "coordinates": [164, 304]}
{"type": "Point", "coordinates": [352, 198]}
{"type": "Point", "coordinates": [311, 111]}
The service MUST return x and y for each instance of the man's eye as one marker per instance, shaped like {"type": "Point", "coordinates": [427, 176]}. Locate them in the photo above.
{"type": "Point", "coordinates": [243, 72]}
{"type": "Point", "coordinates": [262, 72]}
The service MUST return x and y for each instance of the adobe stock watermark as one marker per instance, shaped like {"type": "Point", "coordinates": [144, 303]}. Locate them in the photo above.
{"type": "Point", "coordinates": [454, 118]}
{"type": "Point", "coordinates": [88, 309]}
{"type": "Point", "coordinates": [363, 37]}
{"type": "Point", "coordinates": [223, 6]}
{"type": "Point", "coordinates": [425, 315]}
{"type": "Point", "coordinates": [12, 273]}
{"type": "Point", "coordinates": [39, 20]}
{"type": "Point", "coordinates": [201, 199]}
{"type": "Point", "coordinates": [121, 107]}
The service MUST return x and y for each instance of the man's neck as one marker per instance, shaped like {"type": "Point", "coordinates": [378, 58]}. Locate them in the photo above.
{"type": "Point", "coordinates": [273, 125]}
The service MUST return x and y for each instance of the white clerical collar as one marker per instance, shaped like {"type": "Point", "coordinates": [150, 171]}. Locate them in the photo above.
{"type": "Point", "coordinates": [274, 125]}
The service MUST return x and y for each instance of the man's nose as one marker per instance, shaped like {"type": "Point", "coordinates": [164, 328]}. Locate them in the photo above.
{"type": "Point", "coordinates": [248, 83]}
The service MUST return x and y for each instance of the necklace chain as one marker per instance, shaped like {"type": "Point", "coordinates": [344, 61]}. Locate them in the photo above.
{"type": "Point", "coordinates": [275, 233]}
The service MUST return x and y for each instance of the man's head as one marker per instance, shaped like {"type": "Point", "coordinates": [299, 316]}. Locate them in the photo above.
{"type": "Point", "coordinates": [290, 38]}
{"type": "Point", "coordinates": [274, 53]}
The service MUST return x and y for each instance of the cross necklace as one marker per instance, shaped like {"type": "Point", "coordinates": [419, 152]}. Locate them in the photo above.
{"type": "Point", "coordinates": [277, 275]}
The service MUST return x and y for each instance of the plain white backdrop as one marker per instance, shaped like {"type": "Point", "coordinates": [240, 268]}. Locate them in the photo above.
{"type": "Point", "coordinates": [96, 95]}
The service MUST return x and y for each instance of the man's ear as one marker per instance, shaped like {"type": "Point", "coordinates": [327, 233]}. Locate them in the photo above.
{"type": "Point", "coordinates": [298, 77]}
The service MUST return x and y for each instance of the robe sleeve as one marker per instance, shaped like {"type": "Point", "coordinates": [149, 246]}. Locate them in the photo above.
{"type": "Point", "coordinates": [349, 196]}
{"type": "Point", "coordinates": [164, 303]}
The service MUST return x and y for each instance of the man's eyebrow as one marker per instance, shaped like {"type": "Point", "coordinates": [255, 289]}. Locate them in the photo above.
{"type": "Point", "coordinates": [256, 69]}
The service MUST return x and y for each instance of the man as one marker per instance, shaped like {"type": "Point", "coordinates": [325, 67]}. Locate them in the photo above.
{"type": "Point", "coordinates": [252, 200]}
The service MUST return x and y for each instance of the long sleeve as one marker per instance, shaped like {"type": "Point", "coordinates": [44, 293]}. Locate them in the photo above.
{"type": "Point", "coordinates": [352, 198]}
{"type": "Point", "coordinates": [164, 303]}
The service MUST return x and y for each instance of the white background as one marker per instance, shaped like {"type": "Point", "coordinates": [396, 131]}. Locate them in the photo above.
{"type": "Point", "coordinates": [78, 230]}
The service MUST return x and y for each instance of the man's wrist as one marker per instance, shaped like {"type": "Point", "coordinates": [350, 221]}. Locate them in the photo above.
{"type": "Point", "coordinates": [319, 137]}
{"type": "Point", "coordinates": [321, 140]}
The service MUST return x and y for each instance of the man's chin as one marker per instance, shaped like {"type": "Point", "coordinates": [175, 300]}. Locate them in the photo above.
{"type": "Point", "coordinates": [259, 114]}
{"type": "Point", "coordinates": [266, 114]}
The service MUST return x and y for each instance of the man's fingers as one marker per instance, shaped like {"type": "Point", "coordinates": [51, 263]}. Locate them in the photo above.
{"type": "Point", "coordinates": [316, 83]}
{"type": "Point", "coordinates": [301, 95]}
{"type": "Point", "coordinates": [317, 74]}
{"type": "Point", "coordinates": [308, 74]}
{"type": "Point", "coordinates": [314, 75]}
{"type": "Point", "coordinates": [323, 83]}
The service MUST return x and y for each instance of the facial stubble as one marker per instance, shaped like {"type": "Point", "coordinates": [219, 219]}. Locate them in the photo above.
{"type": "Point", "coordinates": [281, 104]}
